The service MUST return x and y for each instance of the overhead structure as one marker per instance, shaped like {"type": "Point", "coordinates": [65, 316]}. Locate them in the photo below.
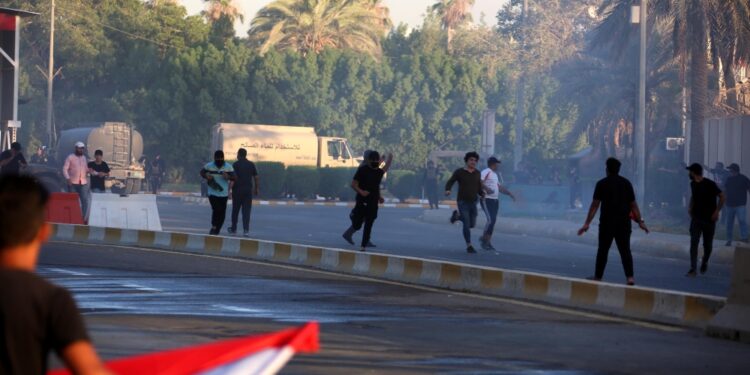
{"type": "Point", "coordinates": [10, 39]}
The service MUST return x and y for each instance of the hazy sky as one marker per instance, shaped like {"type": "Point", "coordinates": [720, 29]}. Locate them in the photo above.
{"type": "Point", "coordinates": [406, 11]}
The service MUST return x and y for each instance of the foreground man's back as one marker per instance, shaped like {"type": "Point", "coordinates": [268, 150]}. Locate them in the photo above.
{"type": "Point", "coordinates": [36, 317]}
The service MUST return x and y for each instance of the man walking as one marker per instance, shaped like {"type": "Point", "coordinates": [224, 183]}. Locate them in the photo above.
{"type": "Point", "coordinates": [75, 170]}
{"type": "Point", "coordinates": [615, 195]}
{"type": "Point", "coordinates": [99, 170]}
{"type": "Point", "coordinates": [366, 183]}
{"type": "Point", "coordinates": [737, 187]}
{"type": "Point", "coordinates": [430, 182]}
{"type": "Point", "coordinates": [469, 188]}
{"type": "Point", "coordinates": [704, 212]}
{"type": "Point", "coordinates": [36, 317]}
{"type": "Point", "coordinates": [491, 202]}
{"type": "Point", "coordinates": [217, 175]}
{"type": "Point", "coordinates": [156, 173]}
{"type": "Point", "coordinates": [246, 177]}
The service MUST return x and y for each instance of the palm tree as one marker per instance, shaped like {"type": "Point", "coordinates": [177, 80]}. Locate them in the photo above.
{"type": "Point", "coordinates": [310, 26]}
{"type": "Point", "coordinates": [215, 9]}
{"type": "Point", "coordinates": [697, 24]}
{"type": "Point", "coordinates": [453, 14]}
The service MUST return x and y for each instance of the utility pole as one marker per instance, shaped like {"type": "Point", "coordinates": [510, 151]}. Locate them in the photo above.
{"type": "Point", "coordinates": [50, 72]}
{"type": "Point", "coordinates": [640, 134]}
{"type": "Point", "coordinates": [520, 94]}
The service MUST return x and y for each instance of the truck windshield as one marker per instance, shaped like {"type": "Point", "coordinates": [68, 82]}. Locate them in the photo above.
{"type": "Point", "coordinates": [334, 149]}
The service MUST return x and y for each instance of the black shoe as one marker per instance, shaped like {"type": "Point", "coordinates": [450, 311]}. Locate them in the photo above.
{"type": "Point", "coordinates": [470, 250]}
{"type": "Point", "coordinates": [348, 237]}
{"type": "Point", "coordinates": [704, 267]}
{"type": "Point", "coordinates": [593, 278]}
{"type": "Point", "coordinates": [691, 273]}
{"type": "Point", "coordinates": [370, 244]}
{"type": "Point", "coordinates": [231, 230]}
{"type": "Point", "coordinates": [454, 216]}
{"type": "Point", "coordinates": [213, 232]}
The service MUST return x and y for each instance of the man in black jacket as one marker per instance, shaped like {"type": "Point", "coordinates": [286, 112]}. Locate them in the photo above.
{"type": "Point", "coordinates": [246, 178]}
{"type": "Point", "coordinates": [615, 195]}
{"type": "Point", "coordinates": [704, 213]}
{"type": "Point", "coordinates": [469, 190]}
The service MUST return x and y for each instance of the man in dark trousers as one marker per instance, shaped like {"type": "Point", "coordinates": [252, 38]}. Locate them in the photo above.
{"type": "Point", "coordinates": [615, 195]}
{"type": "Point", "coordinates": [245, 178]}
{"type": "Point", "coordinates": [217, 175]}
{"type": "Point", "coordinates": [469, 189]}
{"type": "Point", "coordinates": [366, 183]}
{"type": "Point", "coordinates": [36, 317]}
{"type": "Point", "coordinates": [430, 182]}
{"type": "Point", "coordinates": [737, 187]}
{"type": "Point", "coordinates": [704, 212]}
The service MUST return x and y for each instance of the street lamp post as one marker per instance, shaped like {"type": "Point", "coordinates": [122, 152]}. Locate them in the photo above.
{"type": "Point", "coordinates": [640, 130]}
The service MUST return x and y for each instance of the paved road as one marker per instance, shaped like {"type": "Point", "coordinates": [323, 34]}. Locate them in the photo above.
{"type": "Point", "coordinates": [399, 231]}
{"type": "Point", "coordinates": [137, 300]}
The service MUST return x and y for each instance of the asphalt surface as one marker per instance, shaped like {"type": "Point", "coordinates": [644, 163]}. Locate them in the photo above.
{"type": "Point", "coordinates": [137, 301]}
{"type": "Point", "coordinates": [400, 231]}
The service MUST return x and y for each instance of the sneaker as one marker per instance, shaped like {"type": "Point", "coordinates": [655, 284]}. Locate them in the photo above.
{"type": "Point", "coordinates": [231, 230]}
{"type": "Point", "coordinates": [704, 267]}
{"type": "Point", "coordinates": [454, 217]}
{"type": "Point", "coordinates": [490, 247]}
{"type": "Point", "coordinates": [370, 244]}
{"type": "Point", "coordinates": [246, 234]}
{"type": "Point", "coordinates": [470, 250]}
{"type": "Point", "coordinates": [630, 281]}
{"type": "Point", "coordinates": [348, 237]}
{"type": "Point", "coordinates": [691, 273]}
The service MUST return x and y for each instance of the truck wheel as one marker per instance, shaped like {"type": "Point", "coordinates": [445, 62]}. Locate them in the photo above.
{"type": "Point", "coordinates": [132, 186]}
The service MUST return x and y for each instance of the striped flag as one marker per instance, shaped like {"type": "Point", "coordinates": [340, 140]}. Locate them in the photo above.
{"type": "Point", "coordinates": [264, 354]}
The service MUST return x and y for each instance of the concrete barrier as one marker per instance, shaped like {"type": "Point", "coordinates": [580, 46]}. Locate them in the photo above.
{"type": "Point", "coordinates": [634, 302]}
{"type": "Point", "coordinates": [733, 320]}
{"type": "Point", "coordinates": [137, 211]}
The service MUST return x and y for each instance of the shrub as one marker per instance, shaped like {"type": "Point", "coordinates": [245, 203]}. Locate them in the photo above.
{"type": "Point", "coordinates": [272, 175]}
{"type": "Point", "coordinates": [402, 184]}
{"type": "Point", "coordinates": [335, 182]}
{"type": "Point", "coordinates": [302, 181]}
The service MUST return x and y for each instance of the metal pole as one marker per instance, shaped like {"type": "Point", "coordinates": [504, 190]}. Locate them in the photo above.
{"type": "Point", "coordinates": [520, 94]}
{"type": "Point", "coordinates": [640, 133]}
{"type": "Point", "coordinates": [16, 73]}
{"type": "Point", "coordinates": [50, 72]}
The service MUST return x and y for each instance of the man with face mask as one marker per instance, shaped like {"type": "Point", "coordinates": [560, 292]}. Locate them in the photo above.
{"type": "Point", "coordinates": [217, 175]}
{"type": "Point", "coordinates": [366, 183]}
{"type": "Point", "coordinates": [704, 212]}
{"type": "Point", "coordinates": [75, 170]}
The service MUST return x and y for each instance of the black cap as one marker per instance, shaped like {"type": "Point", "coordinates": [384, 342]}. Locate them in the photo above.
{"type": "Point", "coordinates": [492, 160]}
{"type": "Point", "coordinates": [696, 168]}
{"type": "Point", "coordinates": [734, 167]}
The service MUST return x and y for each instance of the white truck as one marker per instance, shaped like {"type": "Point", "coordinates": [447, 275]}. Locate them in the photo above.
{"type": "Point", "coordinates": [291, 145]}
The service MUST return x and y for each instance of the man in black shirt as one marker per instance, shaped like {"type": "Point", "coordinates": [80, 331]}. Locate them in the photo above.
{"type": "Point", "coordinates": [99, 171]}
{"type": "Point", "coordinates": [615, 195]}
{"type": "Point", "coordinates": [36, 317]}
{"type": "Point", "coordinates": [242, 191]}
{"type": "Point", "coordinates": [737, 187]}
{"type": "Point", "coordinates": [704, 212]}
{"type": "Point", "coordinates": [11, 161]}
{"type": "Point", "coordinates": [469, 189]}
{"type": "Point", "coordinates": [366, 183]}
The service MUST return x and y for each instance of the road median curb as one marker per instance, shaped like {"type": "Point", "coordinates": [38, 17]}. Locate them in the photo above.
{"type": "Point", "coordinates": [649, 304]}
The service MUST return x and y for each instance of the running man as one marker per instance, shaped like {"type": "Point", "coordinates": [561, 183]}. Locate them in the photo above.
{"type": "Point", "coordinates": [366, 183]}
{"type": "Point", "coordinates": [469, 188]}
{"type": "Point", "coordinates": [217, 175]}
{"type": "Point", "coordinates": [491, 202]}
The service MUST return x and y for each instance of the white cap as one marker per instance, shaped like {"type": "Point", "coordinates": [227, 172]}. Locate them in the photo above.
{"type": "Point", "coordinates": [80, 144]}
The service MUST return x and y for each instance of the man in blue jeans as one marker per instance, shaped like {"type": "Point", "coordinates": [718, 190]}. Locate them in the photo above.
{"type": "Point", "coordinates": [469, 189]}
{"type": "Point", "coordinates": [737, 187]}
{"type": "Point", "coordinates": [491, 202]}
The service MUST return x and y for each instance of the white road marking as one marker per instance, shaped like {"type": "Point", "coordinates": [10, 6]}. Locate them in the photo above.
{"type": "Point", "coordinates": [68, 272]}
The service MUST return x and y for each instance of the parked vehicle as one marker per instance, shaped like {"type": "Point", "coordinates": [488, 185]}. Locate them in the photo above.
{"type": "Point", "coordinates": [291, 145]}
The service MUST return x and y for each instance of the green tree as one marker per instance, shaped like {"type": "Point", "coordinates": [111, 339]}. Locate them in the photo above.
{"type": "Point", "coordinates": [310, 26]}
{"type": "Point", "coordinates": [453, 14]}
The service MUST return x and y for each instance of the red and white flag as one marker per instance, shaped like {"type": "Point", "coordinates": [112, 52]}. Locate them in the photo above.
{"type": "Point", "coordinates": [264, 354]}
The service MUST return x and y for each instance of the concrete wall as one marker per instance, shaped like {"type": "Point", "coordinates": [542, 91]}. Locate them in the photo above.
{"type": "Point", "coordinates": [727, 140]}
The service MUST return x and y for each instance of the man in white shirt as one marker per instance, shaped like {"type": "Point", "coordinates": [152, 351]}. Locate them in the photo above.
{"type": "Point", "coordinates": [75, 170]}
{"type": "Point", "coordinates": [491, 203]}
